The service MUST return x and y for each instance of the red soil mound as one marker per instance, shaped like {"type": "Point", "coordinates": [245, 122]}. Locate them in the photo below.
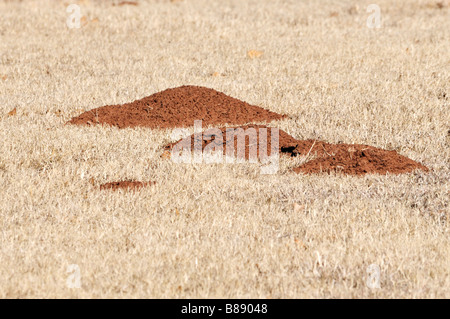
{"type": "Point", "coordinates": [210, 138]}
{"type": "Point", "coordinates": [352, 159]}
{"type": "Point", "coordinates": [130, 185]}
{"type": "Point", "coordinates": [178, 107]}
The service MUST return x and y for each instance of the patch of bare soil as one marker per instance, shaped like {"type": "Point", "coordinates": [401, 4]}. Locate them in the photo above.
{"type": "Point", "coordinates": [252, 137]}
{"type": "Point", "coordinates": [351, 159]}
{"type": "Point", "coordinates": [128, 185]}
{"type": "Point", "coordinates": [178, 107]}
{"type": "Point", "coordinates": [181, 106]}
{"type": "Point", "coordinates": [356, 159]}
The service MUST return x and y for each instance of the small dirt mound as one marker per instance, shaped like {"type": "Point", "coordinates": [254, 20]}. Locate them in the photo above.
{"type": "Point", "coordinates": [178, 107]}
{"type": "Point", "coordinates": [250, 135]}
{"type": "Point", "coordinates": [129, 185]}
{"type": "Point", "coordinates": [355, 159]}
{"type": "Point", "coordinates": [351, 159]}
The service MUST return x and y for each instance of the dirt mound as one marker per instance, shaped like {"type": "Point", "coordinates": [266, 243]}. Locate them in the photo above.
{"type": "Point", "coordinates": [129, 185]}
{"type": "Point", "coordinates": [352, 159]}
{"type": "Point", "coordinates": [250, 135]}
{"type": "Point", "coordinates": [355, 159]}
{"type": "Point", "coordinates": [178, 107]}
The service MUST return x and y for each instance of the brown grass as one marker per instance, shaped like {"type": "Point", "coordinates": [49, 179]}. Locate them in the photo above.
{"type": "Point", "coordinates": [223, 230]}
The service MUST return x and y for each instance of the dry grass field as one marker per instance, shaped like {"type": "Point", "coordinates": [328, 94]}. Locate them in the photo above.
{"type": "Point", "coordinates": [223, 231]}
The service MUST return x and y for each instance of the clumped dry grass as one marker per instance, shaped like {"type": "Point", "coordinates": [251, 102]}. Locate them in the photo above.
{"type": "Point", "coordinates": [223, 230]}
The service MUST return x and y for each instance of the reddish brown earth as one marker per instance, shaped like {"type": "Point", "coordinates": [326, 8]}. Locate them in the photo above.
{"type": "Point", "coordinates": [124, 3]}
{"type": "Point", "coordinates": [178, 107]}
{"type": "Point", "coordinates": [352, 159]}
{"type": "Point", "coordinates": [355, 159]}
{"type": "Point", "coordinates": [129, 185]}
{"type": "Point", "coordinates": [287, 144]}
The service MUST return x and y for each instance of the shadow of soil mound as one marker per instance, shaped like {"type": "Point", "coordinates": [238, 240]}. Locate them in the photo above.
{"type": "Point", "coordinates": [350, 159]}
{"type": "Point", "coordinates": [127, 185]}
{"type": "Point", "coordinates": [178, 107]}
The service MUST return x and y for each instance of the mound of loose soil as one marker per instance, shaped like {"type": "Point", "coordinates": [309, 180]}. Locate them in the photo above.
{"type": "Point", "coordinates": [355, 159]}
{"type": "Point", "coordinates": [178, 107]}
{"type": "Point", "coordinates": [219, 138]}
{"type": "Point", "coordinates": [352, 159]}
{"type": "Point", "coordinates": [129, 185]}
